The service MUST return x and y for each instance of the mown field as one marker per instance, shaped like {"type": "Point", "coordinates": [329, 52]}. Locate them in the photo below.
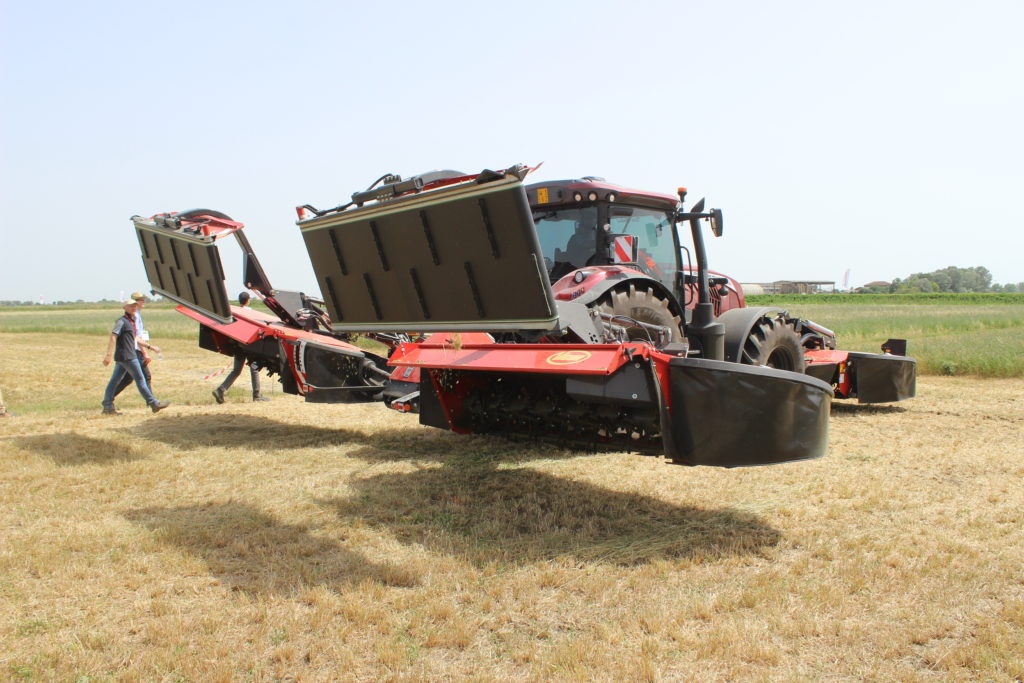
{"type": "Point", "coordinates": [288, 541]}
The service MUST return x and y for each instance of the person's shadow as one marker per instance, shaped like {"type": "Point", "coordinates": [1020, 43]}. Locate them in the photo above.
{"type": "Point", "coordinates": [70, 450]}
{"type": "Point", "coordinates": [252, 551]}
{"type": "Point", "coordinates": [242, 431]}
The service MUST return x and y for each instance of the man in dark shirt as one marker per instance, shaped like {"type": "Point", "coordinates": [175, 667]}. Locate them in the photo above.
{"type": "Point", "coordinates": [121, 348]}
{"type": "Point", "coordinates": [141, 346]}
{"type": "Point", "coordinates": [254, 374]}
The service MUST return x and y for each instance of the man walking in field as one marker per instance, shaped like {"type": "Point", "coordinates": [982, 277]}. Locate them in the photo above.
{"type": "Point", "coordinates": [142, 345]}
{"type": "Point", "coordinates": [254, 374]}
{"type": "Point", "coordinates": [121, 349]}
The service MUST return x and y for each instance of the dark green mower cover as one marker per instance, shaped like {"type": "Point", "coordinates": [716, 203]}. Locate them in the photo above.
{"type": "Point", "coordinates": [184, 268]}
{"type": "Point", "coordinates": [462, 258]}
{"type": "Point", "coordinates": [732, 415]}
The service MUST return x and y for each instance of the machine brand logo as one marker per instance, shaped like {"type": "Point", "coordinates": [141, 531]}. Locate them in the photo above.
{"type": "Point", "coordinates": [568, 357]}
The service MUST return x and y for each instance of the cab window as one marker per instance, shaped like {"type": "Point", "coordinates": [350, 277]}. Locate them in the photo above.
{"type": "Point", "coordinates": [653, 230]}
{"type": "Point", "coordinates": [567, 236]}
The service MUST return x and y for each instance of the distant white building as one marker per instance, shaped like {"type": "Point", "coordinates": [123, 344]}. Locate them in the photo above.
{"type": "Point", "coordinates": [751, 289]}
{"type": "Point", "coordinates": [789, 287]}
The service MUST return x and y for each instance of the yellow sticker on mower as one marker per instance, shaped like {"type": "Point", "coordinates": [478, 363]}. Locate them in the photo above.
{"type": "Point", "coordinates": [567, 357]}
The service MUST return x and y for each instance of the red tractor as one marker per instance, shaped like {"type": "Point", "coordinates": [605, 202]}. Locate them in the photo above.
{"type": "Point", "coordinates": [617, 250]}
{"type": "Point", "coordinates": [636, 346]}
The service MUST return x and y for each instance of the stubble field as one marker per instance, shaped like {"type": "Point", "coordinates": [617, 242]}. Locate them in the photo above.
{"type": "Point", "coordinates": [285, 540]}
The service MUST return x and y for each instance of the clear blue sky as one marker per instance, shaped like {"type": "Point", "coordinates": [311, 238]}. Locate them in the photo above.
{"type": "Point", "coordinates": [881, 137]}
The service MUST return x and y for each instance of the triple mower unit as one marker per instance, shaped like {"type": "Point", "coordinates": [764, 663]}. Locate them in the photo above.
{"type": "Point", "coordinates": [636, 346]}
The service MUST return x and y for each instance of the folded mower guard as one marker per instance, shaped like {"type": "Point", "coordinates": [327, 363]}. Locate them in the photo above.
{"type": "Point", "coordinates": [180, 254]}
{"type": "Point", "coordinates": [464, 258]}
{"type": "Point", "coordinates": [184, 267]}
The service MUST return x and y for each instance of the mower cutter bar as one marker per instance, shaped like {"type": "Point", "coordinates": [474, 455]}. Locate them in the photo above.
{"type": "Point", "coordinates": [621, 397]}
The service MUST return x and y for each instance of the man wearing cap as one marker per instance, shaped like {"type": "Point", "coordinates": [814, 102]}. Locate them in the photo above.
{"type": "Point", "coordinates": [141, 346]}
{"type": "Point", "coordinates": [121, 348]}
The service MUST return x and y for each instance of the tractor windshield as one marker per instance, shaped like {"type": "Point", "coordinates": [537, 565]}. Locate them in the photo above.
{"type": "Point", "coordinates": [653, 230]}
{"type": "Point", "coordinates": [568, 237]}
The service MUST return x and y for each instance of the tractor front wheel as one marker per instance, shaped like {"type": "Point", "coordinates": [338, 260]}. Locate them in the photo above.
{"type": "Point", "coordinates": [642, 305]}
{"type": "Point", "coordinates": [774, 342]}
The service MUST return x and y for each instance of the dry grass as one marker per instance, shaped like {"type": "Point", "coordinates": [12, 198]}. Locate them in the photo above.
{"type": "Point", "coordinates": [317, 542]}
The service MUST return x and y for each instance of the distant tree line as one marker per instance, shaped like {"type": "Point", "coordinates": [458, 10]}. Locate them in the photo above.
{"type": "Point", "coordinates": [12, 302]}
{"type": "Point", "coordinates": [950, 279]}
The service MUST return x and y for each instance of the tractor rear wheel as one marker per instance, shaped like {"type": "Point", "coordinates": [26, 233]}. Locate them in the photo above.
{"type": "Point", "coordinates": [773, 342]}
{"type": "Point", "coordinates": [642, 305]}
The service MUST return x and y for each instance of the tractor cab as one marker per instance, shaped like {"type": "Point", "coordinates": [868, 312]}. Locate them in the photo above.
{"type": "Point", "coordinates": [588, 223]}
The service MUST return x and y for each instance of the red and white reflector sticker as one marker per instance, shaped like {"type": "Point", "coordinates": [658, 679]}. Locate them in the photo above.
{"type": "Point", "coordinates": [623, 249]}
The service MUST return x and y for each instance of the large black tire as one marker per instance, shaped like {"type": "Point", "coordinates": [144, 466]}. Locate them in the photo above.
{"type": "Point", "coordinates": [643, 305]}
{"type": "Point", "coordinates": [773, 342]}
{"type": "Point", "coordinates": [192, 213]}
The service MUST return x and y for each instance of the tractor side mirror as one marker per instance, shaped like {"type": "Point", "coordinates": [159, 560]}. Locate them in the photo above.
{"type": "Point", "coordinates": [716, 222]}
